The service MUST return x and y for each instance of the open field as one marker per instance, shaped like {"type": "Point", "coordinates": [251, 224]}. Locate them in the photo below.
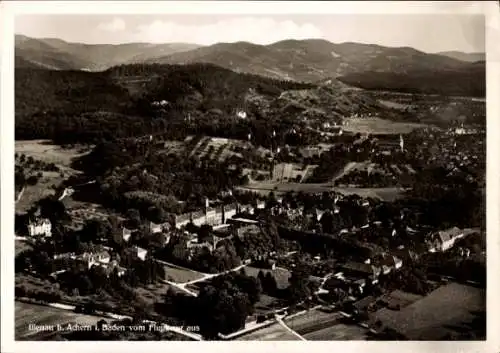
{"type": "Point", "coordinates": [311, 321]}
{"type": "Point", "coordinates": [378, 126]}
{"type": "Point", "coordinates": [280, 274]}
{"type": "Point", "coordinates": [316, 325]}
{"type": "Point", "coordinates": [47, 152]}
{"type": "Point", "coordinates": [445, 311]}
{"type": "Point", "coordinates": [392, 104]}
{"type": "Point", "coordinates": [264, 188]}
{"type": "Point", "coordinates": [180, 275]}
{"type": "Point", "coordinates": [26, 314]}
{"type": "Point", "coordinates": [31, 282]}
{"type": "Point", "coordinates": [338, 332]}
{"type": "Point", "coordinates": [275, 332]}
{"type": "Point", "coordinates": [34, 193]}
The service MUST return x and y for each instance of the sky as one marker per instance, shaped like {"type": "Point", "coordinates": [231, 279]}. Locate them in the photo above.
{"type": "Point", "coordinates": [427, 32]}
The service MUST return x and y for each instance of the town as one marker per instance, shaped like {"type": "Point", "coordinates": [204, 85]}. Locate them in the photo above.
{"type": "Point", "coordinates": [303, 246]}
{"type": "Point", "coordinates": [249, 190]}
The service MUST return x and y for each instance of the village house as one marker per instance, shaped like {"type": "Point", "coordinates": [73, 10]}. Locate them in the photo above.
{"type": "Point", "coordinates": [89, 259]}
{"type": "Point", "coordinates": [387, 262]}
{"type": "Point", "coordinates": [158, 228]}
{"type": "Point", "coordinates": [138, 253]}
{"type": "Point", "coordinates": [126, 234]}
{"type": "Point", "coordinates": [444, 240]}
{"type": "Point", "coordinates": [358, 270]}
{"type": "Point", "coordinates": [41, 226]}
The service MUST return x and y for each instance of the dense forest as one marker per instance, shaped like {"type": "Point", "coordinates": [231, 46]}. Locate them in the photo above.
{"type": "Point", "coordinates": [470, 82]}
{"type": "Point", "coordinates": [76, 106]}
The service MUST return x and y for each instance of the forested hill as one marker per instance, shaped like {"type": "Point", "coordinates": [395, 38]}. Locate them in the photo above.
{"type": "Point", "coordinates": [83, 106]}
{"type": "Point", "coordinates": [469, 80]}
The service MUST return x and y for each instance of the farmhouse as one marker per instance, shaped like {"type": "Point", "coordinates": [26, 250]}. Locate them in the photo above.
{"type": "Point", "coordinates": [40, 227]}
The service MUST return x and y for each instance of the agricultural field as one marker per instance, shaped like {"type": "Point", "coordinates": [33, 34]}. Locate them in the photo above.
{"type": "Point", "coordinates": [393, 104]}
{"type": "Point", "coordinates": [291, 172]}
{"type": "Point", "coordinates": [338, 332]}
{"type": "Point", "coordinates": [27, 314]}
{"type": "Point", "coordinates": [216, 148]}
{"type": "Point", "coordinates": [445, 311]}
{"type": "Point", "coordinates": [311, 321]}
{"type": "Point", "coordinates": [264, 188]}
{"type": "Point", "coordinates": [47, 152]}
{"type": "Point", "coordinates": [375, 126]}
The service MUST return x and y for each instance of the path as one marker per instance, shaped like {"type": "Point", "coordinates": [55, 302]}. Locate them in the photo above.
{"type": "Point", "coordinates": [323, 281]}
{"type": "Point", "coordinates": [20, 194]}
{"type": "Point", "coordinates": [345, 170]}
{"type": "Point", "coordinates": [206, 276]}
{"type": "Point", "coordinates": [307, 172]}
{"type": "Point", "coordinates": [280, 321]}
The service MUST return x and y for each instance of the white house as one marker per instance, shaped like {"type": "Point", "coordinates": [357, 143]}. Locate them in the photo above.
{"type": "Point", "coordinates": [40, 227]}
{"type": "Point", "coordinates": [444, 240]}
{"type": "Point", "coordinates": [101, 258]}
{"type": "Point", "coordinates": [139, 253]}
{"type": "Point", "coordinates": [157, 228]}
{"type": "Point", "coordinates": [126, 234]}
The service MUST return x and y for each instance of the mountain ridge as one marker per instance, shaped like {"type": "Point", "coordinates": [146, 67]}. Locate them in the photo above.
{"type": "Point", "coordinates": [63, 55]}
{"type": "Point", "coordinates": [463, 56]}
{"type": "Point", "coordinates": [366, 66]}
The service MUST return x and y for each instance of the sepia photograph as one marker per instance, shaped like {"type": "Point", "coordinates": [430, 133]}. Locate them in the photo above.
{"type": "Point", "coordinates": [249, 177]}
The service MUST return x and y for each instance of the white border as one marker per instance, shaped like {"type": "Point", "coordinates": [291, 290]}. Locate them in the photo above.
{"type": "Point", "coordinates": [8, 9]}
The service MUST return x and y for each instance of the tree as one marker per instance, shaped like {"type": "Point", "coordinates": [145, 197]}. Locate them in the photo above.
{"type": "Point", "coordinates": [157, 214]}
{"type": "Point", "coordinates": [299, 284]}
{"type": "Point", "coordinates": [96, 231]}
{"type": "Point", "coordinates": [53, 209]}
{"type": "Point", "coordinates": [270, 283]}
{"type": "Point", "coordinates": [134, 216]}
{"type": "Point", "coordinates": [222, 310]}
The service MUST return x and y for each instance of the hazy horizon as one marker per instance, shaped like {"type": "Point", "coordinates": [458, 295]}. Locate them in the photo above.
{"type": "Point", "coordinates": [424, 32]}
{"type": "Point", "coordinates": [243, 41]}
